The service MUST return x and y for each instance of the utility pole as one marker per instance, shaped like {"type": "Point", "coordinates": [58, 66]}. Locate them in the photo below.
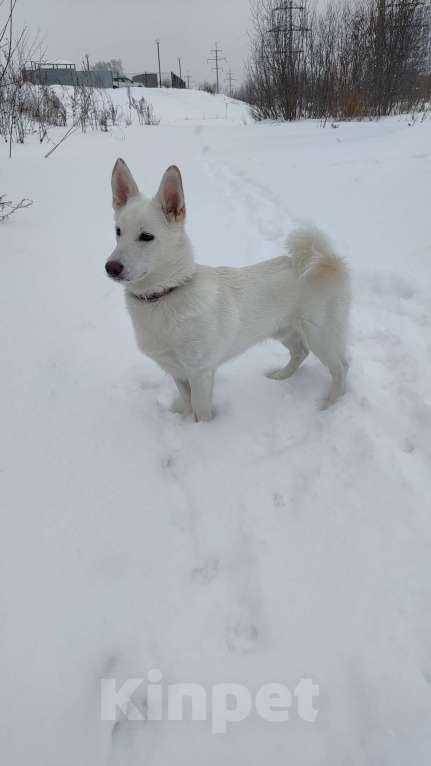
{"type": "Point", "coordinates": [179, 67]}
{"type": "Point", "coordinates": [158, 56]}
{"type": "Point", "coordinates": [288, 34]}
{"type": "Point", "coordinates": [189, 79]}
{"type": "Point", "coordinates": [287, 26]}
{"type": "Point", "coordinates": [230, 79]}
{"type": "Point", "coordinates": [217, 58]}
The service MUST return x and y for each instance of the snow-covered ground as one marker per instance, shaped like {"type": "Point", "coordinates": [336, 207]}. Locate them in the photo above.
{"type": "Point", "coordinates": [275, 543]}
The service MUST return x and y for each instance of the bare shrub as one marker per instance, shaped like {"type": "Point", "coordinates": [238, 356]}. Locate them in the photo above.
{"type": "Point", "coordinates": [93, 109]}
{"type": "Point", "coordinates": [7, 207]}
{"type": "Point", "coordinates": [144, 111]}
{"type": "Point", "coordinates": [208, 87]}
{"type": "Point", "coordinates": [17, 101]}
{"type": "Point", "coordinates": [37, 106]}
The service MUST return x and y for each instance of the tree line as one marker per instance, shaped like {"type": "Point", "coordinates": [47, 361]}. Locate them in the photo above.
{"type": "Point", "coordinates": [346, 60]}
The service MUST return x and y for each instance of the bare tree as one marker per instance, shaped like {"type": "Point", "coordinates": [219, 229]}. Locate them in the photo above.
{"type": "Point", "coordinates": [348, 59]}
{"type": "Point", "coordinates": [113, 65]}
{"type": "Point", "coordinates": [6, 40]}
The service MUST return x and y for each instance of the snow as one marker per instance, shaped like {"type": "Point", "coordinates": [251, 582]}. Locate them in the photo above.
{"type": "Point", "coordinates": [275, 543]}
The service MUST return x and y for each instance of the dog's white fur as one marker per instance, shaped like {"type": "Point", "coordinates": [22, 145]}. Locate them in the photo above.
{"type": "Point", "coordinates": [301, 299]}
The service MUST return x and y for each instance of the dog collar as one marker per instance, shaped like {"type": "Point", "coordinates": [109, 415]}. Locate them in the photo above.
{"type": "Point", "coordinates": [153, 297]}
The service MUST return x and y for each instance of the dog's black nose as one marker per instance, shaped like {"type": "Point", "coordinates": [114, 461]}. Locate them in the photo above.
{"type": "Point", "coordinates": [114, 268]}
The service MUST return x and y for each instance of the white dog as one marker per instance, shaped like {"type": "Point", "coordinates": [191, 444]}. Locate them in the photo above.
{"type": "Point", "coordinates": [191, 318]}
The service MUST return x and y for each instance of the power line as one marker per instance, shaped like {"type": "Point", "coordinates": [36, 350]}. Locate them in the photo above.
{"type": "Point", "coordinates": [217, 58]}
{"type": "Point", "coordinates": [288, 24]}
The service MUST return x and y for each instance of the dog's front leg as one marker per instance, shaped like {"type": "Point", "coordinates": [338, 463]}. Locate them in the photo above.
{"type": "Point", "coordinates": [202, 385]}
{"type": "Point", "coordinates": [182, 404]}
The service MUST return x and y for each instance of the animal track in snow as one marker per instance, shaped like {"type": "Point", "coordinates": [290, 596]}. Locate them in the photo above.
{"type": "Point", "coordinates": [207, 572]}
{"type": "Point", "coordinates": [241, 637]}
{"type": "Point", "coordinates": [261, 207]}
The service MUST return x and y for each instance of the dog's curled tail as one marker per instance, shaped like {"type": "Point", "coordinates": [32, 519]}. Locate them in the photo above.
{"type": "Point", "coordinates": [313, 255]}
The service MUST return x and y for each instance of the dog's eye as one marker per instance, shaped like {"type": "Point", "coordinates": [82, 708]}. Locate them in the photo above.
{"type": "Point", "coordinates": [144, 237]}
{"type": "Point", "coordinates": [118, 232]}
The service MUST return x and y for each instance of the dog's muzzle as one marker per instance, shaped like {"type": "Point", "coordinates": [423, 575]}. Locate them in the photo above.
{"type": "Point", "coordinates": [114, 269]}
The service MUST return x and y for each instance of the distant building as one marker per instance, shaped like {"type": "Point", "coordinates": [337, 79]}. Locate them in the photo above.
{"type": "Point", "coordinates": [65, 73]}
{"type": "Point", "coordinates": [148, 79]}
{"type": "Point", "coordinates": [177, 82]}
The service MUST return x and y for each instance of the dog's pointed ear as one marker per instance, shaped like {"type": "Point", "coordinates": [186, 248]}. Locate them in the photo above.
{"type": "Point", "coordinates": [123, 185]}
{"type": "Point", "coordinates": [171, 195]}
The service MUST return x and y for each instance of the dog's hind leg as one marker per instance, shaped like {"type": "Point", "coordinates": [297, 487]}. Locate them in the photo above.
{"type": "Point", "coordinates": [183, 403]}
{"type": "Point", "coordinates": [328, 344]}
{"type": "Point", "coordinates": [298, 352]}
{"type": "Point", "coordinates": [338, 371]}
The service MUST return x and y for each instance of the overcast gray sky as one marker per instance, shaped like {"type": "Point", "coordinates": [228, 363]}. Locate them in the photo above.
{"type": "Point", "coordinates": [127, 29]}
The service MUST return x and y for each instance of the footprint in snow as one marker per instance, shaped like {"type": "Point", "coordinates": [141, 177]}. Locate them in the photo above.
{"type": "Point", "coordinates": [391, 284]}
{"type": "Point", "coordinates": [207, 572]}
{"type": "Point", "coordinates": [168, 462]}
{"type": "Point", "coordinates": [241, 637]}
{"type": "Point", "coordinates": [408, 446]}
{"type": "Point", "coordinates": [133, 741]}
{"type": "Point", "coordinates": [278, 500]}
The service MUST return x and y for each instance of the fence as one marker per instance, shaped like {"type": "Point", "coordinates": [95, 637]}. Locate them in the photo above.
{"type": "Point", "coordinates": [67, 75]}
{"type": "Point", "coordinates": [148, 79]}
{"type": "Point", "coordinates": [177, 82]}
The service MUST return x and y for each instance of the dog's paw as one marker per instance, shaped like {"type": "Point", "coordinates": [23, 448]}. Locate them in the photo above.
{"type": "Point", "coordinates": [325, 404]}
{"type": "Point", "coordinates": [276, 374]}
{"type": "Point", "coordinates": [203, 416]}
{"type": "Point", "coordinates": [179, 407]}
{"type": "Point", "coordinates": [328, 401]}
